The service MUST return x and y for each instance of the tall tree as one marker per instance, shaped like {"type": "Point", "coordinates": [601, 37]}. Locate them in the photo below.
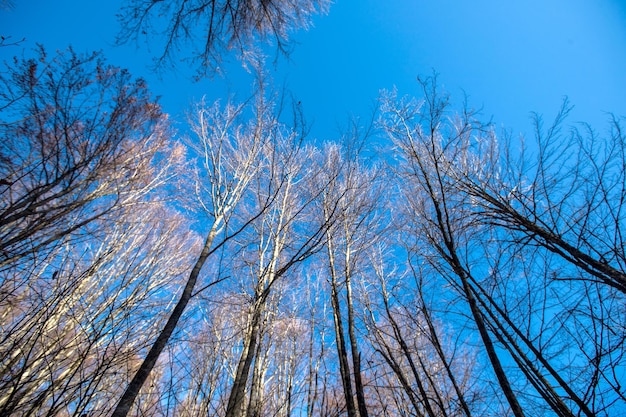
{"type": "Point", "coordinates": [558, 201]}
{"type": "Point", "coordinates": [286, 235]}
{"type": "Point", "coordinates": [424, 147]}
{"type": "Point", "coordinates": [354, 190]}
{"type": "Point", "coordinates": [230, 157]}
{"type": "Point", "coordinates": [500, 226]}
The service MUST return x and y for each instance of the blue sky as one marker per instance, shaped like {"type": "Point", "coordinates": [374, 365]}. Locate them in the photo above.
{"type": "Point", "coordinates": [510, 58]}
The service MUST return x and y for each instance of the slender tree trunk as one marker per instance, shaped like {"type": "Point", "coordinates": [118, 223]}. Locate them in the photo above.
{"type": "Point", "coordinates": [388, 356]}
{"type": "Point", "coordinates": [442, 356]}
{"type": "Point", "coordinates": [314, 365]}
{"type": "Point", "coordinates": [128, 398]}
{"type": "Point", "coordinates": [237, 394]}
{"type": "Point", "coordinates": [448, 252]}
{"type": "Point", "coordinates": [407, 354]}
{"type": "Point", "coordinates": [356, 355]}
{"type": "Point", "coordinates": [255, 402]}
{"type": "Point", "coordinates": [344, 367]}
{"type": "Point", "coordinates": [548, 391]}
{"type": "Point", "coordinates": [490, 348]}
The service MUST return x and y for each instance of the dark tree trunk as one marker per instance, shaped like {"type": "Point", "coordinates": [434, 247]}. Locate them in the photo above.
{"type": "Point", "coordinates": [128, 398]}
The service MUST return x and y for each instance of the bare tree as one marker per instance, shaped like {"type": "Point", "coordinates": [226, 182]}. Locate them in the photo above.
{"type": "Point", "coordinates": [356, 191]}
{"type": "Point", "coordinates": [558, 202]}
{"type": "Point", "coordinates": [565, 193]}
{"type": "Point", "coordinates": [76, 327]}
{"type": "Point", "coordinates": [76, 137]}
{"type": "Point", "coordinates": [201, 360]}
{"type": "Point", "coordinates": [316, 310]}
{"type": "Point", "coordinates": [203, 31]}
{"type": "Point", "coordinates": [79, 144]}
{"type": "Point", "coordinates": [286, 235]}
{"type": "Point", "coordinates": [430, 371]}
{"type": "Point", "coordinates": [500, 227]}
{"type": "Point", "coordinates": [230, 155]}
{"type": "Point", "coordinates": [424, 147]}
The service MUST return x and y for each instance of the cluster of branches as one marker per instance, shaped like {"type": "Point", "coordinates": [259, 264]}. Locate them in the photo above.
{"type": "Point", "coordinates": [200, 32]}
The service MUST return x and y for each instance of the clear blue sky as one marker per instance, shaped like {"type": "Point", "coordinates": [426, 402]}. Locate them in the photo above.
{"type": "Point", "coordinates": [510, 58]}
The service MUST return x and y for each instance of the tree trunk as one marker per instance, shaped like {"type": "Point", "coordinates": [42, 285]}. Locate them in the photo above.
{"type": "Point", "coordinates": [489, 347]}
{"type": "Point", "coordinates": [128, 398]}
{"type": "Point", "coordinates": [237, 394]}
{"type": "Point", "coordinates": [344, 366]}
{"type": "Point", "coordinates": [356, 355]}
{"type": "Point", "coordinates": [442, 356]}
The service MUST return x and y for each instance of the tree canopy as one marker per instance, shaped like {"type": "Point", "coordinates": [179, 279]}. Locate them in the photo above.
{"type": "Point", "coordinates": [422, 264]}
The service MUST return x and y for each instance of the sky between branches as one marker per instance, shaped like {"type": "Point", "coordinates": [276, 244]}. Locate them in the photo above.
{"type": "Point", "coordinates": [509, 58]}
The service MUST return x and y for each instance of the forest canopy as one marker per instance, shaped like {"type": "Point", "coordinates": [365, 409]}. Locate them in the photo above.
{"type": "Point", "coordinates": [423, 263]}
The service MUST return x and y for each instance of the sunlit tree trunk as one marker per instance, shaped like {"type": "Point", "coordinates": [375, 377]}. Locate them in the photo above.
{"type": "Point", "coordinates": [340, 342]}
